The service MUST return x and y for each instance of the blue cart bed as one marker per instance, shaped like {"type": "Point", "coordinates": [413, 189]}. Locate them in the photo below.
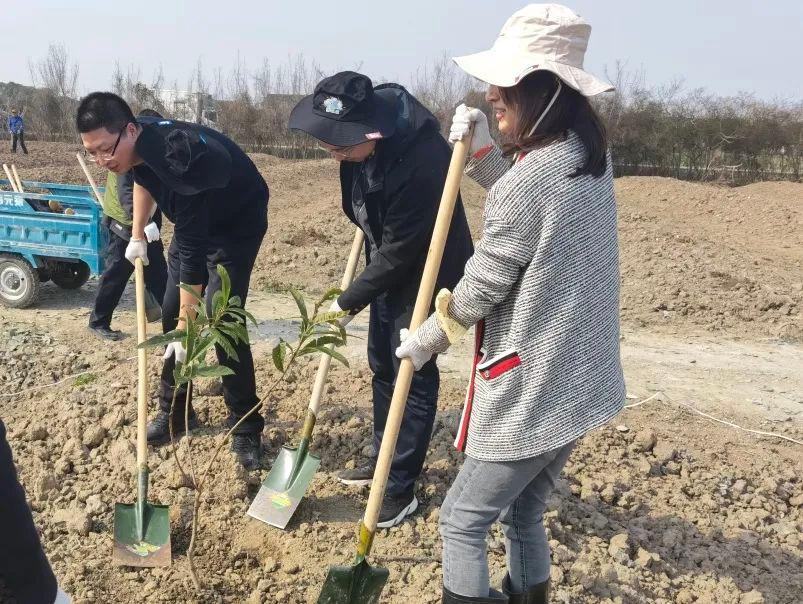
{"type": "Point", "coordinates": [38, 243]}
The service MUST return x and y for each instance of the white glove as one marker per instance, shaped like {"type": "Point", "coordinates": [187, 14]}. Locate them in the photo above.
{"type": "Point", "coordinates": [152, 232]}
{"type": "Point", "coordinates": [343, 320]}
{"type": "Point", "coordinates": [461, 123]}
{"type": "Point", "coordinates": [137, 248]}
{"type": "Point", "coordinates": [178, 349]}
{"type": "Point", "coordinates": [62, 597]}
{"type": "Point", "coordinates": [412, 349]}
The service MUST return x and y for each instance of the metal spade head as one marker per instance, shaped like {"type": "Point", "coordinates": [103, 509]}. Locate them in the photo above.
{"type": "Point", "coordinates": [357, 584]}
{"type": "Point", "coordinates": [285, 486]}
{"type": "Point", "coordinates": [141, 535]}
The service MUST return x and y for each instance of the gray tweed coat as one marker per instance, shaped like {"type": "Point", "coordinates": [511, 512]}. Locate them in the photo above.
{"type": "Point", "coordinates": [543, 290]}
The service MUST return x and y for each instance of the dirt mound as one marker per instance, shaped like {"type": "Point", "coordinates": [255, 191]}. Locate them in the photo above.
{"type": "Point", "coordinates": [722, 259]}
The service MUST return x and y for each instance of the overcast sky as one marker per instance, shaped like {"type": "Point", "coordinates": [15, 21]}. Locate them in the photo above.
{"type": "Point", "coordinates": [726, 46]}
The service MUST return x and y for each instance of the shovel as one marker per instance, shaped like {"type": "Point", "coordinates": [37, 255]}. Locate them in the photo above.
{"type": "Point", "coordinates": [291, 473]}
{"type": "Point", "coordinates": [142, 529]}
{"type": "Point", "coordinates": [361, 583]}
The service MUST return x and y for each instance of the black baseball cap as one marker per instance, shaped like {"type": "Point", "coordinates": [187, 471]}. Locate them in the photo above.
{"type": "Point", "coordinates": [344, 111]}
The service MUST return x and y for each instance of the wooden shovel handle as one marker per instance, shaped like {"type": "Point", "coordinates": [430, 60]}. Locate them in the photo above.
{"type": "Point", "coordinates": [422, 305]}
{"type": "Point", "coordinates": [10, 178]}
{"type": "Point", "coordinates": [142, 366]}
{"type": "Point", "coordinates": [89, 177]}
{"type": "Point", "coordinates": [326, 360]}
{"type": "Point", "coordinates": [17, 178]}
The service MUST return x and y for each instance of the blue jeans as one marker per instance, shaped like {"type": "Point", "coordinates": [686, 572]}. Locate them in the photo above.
{"type": "Point", "coordinates": [515, 493]}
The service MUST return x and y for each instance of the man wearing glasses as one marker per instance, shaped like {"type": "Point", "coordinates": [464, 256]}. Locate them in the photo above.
{"type": "Point", "coordinates": [217, 200]}
{"type": "Point", "coordinates": [393, 164]}
{"type": "Point", "coordinates": [118, 210]}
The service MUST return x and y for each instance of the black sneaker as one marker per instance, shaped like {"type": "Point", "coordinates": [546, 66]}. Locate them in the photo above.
{"type": "Point", "coordinates": [248, 448]}
{"type": "Point", "coordinates": [159, 428]}
{"type": "Point", "coordinates": [107, 333]}
{"type": "Point", "coordinates": [358, 477]}
{"type": "Point", "coordinates": [396, 509]}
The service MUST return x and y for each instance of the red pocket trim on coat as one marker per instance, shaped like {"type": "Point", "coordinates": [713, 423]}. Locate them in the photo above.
{"type": "Point", "coordinates": [499, 365]}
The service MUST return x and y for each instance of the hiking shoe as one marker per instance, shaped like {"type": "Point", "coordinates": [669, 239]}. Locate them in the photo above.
{"type": "Point", "coordinates": [159, 428]}
{"type": "Point", "coordinates": [358, 477]}
{"type": "Point", "coordinates": [107, 333]}
{"type": "Point", "coordinates": [396, 509]}
{"type": "Point", "coordinates": [248, 449]}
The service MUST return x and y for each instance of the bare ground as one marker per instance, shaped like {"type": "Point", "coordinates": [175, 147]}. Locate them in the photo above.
{"type": "Point", "coordinates": [663, 505]}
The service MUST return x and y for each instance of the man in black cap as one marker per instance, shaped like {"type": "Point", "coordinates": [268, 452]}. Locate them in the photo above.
{"type": "Point", "coordinates": [217, 200]}
{"type": "Point", "coordinates": [393, 165]}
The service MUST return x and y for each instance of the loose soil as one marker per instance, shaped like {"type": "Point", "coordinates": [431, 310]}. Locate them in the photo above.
{"type": "Point", "coordinates": [662, 505]}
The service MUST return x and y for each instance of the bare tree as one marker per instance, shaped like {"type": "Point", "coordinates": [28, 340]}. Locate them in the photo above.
{"type": "Point", "coordinates": [57, 79]}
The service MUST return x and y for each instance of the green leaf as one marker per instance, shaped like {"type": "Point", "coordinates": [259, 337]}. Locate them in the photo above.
{"type": "Point", "coordinates": [279, 355]}
{"type": "Point", "coordinates": [329, 317]}
{"type": "Point", "coordinates": [236, 332]}
{"type": "Point", "coordinates": [218, 301]}
{"type": "Point", "coordinates": [334, 354]}
{"type": "Point", "coordinates": [302, 306]}
{"type": "Point", "coordinates": [190, 290]}
{"type": "Point", "coordinates": [226, 345]}
{"type": "Point", "coordinates": [225, 282]}
{"type": "Point", "coordinates": [325, 341]}
{"type": "Point", "coordinates": [213, 371]}
{"type": "Point", "coordinates": [162, 340]}
{"type": "Point", "coordinates": [331, 294]}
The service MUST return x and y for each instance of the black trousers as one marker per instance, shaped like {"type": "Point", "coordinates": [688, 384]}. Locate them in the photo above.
{"type": "Point", "coordinates": [389, 314]}
{"type": "Point", "coordinates": [23, 564]}
{"type": "Point", "coordinates": [116, 273]}
{"type": "Point", "coordinates": [239, 389]}
{"type": "Point", "coordinates": [19, 136]}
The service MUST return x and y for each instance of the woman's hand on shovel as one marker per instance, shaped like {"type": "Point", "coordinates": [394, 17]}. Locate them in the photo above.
{"type": "Point", "coordinates": [461, 124]}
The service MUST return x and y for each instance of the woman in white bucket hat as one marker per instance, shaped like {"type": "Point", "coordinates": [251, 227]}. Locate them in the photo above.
{"type": "Point", "coordinates": [542, 290]}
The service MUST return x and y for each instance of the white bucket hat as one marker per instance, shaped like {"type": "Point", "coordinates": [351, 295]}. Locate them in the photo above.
{"type": "Point", "coordinates": [547, 37]}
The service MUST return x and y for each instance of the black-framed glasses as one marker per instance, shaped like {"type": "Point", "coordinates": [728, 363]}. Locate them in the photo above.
{"type": "Point", "coordinates": [98, 156]}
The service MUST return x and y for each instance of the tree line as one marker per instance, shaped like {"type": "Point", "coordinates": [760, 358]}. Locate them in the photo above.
{"type": "Point", "coordinates": [664, 130]}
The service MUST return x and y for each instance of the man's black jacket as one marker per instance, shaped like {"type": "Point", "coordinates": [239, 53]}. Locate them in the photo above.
{"type": "Point", "coordinates": [401, 193]}
{"type": "Point", "coordinates": [217, 212]}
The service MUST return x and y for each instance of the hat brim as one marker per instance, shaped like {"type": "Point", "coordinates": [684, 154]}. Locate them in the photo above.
{"type": "Point", "coordinates": [342, 133]}
{"type": "Point", "coordinates": [501, 69]}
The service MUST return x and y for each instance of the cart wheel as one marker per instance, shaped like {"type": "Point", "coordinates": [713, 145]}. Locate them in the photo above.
{"type": "Point", "coordinates": [70, 275]}
{"type": "Point", "coordinates": [19, 282]}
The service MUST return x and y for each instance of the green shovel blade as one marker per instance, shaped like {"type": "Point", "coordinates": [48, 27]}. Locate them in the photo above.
{"type": "Point", "coordinates": [285, 486]}
{"type": "Point", "coordinates": [357, 584]}
{"type": "Point", "coordinates": [154, 548]}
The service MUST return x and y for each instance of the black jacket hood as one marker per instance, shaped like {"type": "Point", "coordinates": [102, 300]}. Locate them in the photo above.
{"type": "Point", "coordinates": [413, 119]}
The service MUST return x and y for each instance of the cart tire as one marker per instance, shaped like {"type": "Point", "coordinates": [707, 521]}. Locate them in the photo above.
{"type": "Point", "coordinates": [19, 282]}
{"type": "Point", "coordinates": [70, 275]}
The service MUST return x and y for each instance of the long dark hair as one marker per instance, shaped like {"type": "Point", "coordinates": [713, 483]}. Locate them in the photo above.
{"type": "Point", "coordinates": [571, 110]}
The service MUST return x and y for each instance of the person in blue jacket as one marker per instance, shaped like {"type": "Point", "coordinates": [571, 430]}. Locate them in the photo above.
{"type": "Point", "coordinates": [16, 127]}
